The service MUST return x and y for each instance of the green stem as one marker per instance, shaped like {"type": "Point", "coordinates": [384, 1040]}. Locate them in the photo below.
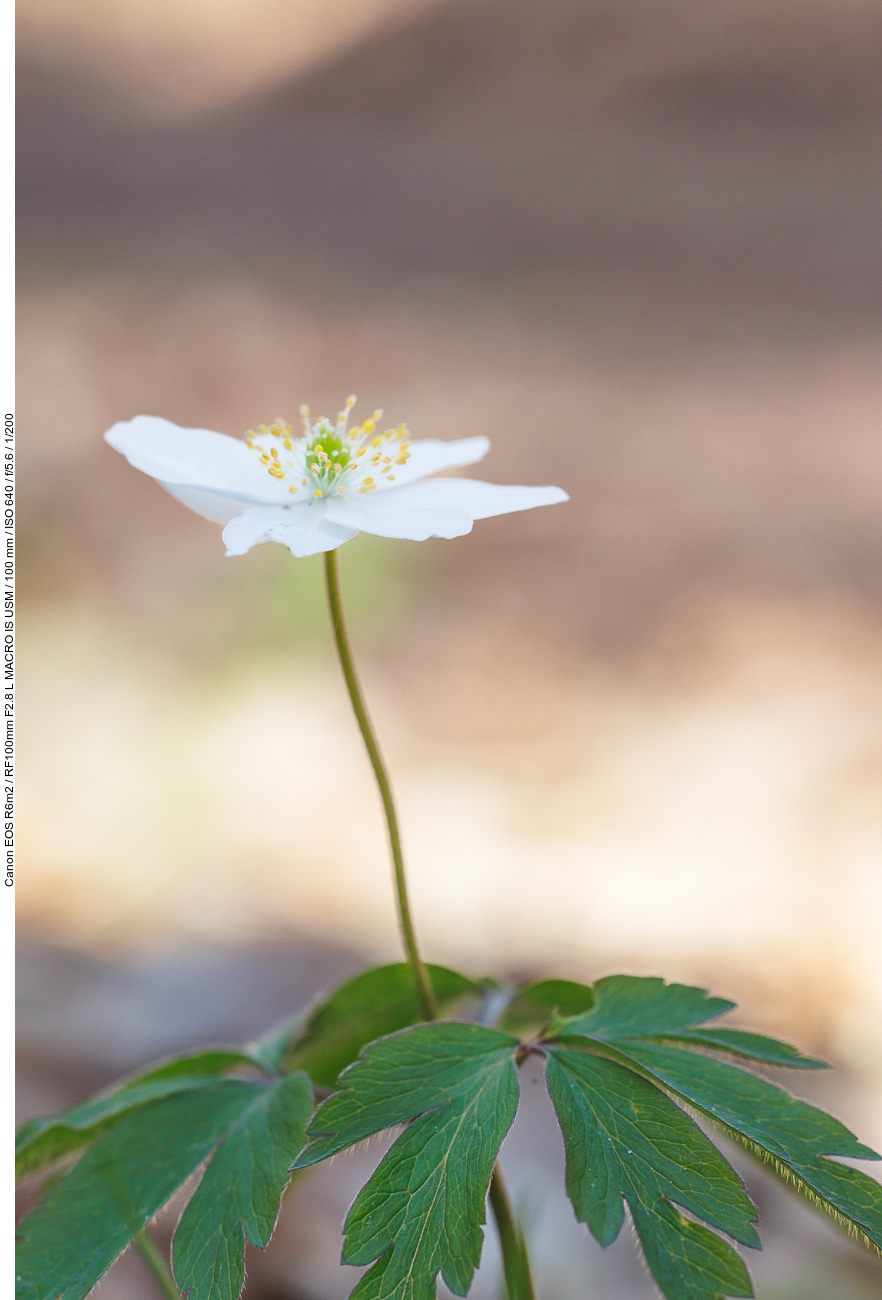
{"type": "Point", "coordinates": [155, 1261]}
{"type": "Point", "coordinates": [422, 984]}
{"type": "Point", "coordinates": [516, 1263]}
{"type": "Point", "coordinates": [515, 1260]}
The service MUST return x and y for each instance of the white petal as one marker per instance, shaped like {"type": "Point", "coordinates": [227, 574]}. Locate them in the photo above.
{"type": "Point", "coordinates": [305, 529]}
{"type": "Point", "coordinates": [220, 510]}
{"type": "Point", "coordinates": [431, 455]}
{"type": "Point", "coordinates": [196, 458]}
{"type": "Point", "coordinates": [477, 499]}
{"type": "Point", "coordinates": [377, 513]}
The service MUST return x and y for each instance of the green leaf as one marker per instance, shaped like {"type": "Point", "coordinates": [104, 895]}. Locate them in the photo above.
{"type": "Point", "coordinates": [686, 1259]}
{"type": "Point", "coordinates": [631, 1014]}
{"type": "Point", "coordinates": [120, 1182]}
{"type": "Point", "coordinates": [374, 1004]}
{"type": "Point", "coordinates": [211, 1060]}
{"type": "Point", "coordinates": [270, 1050]}
{"type": "Point", "coordinates": [240, 1191]}
{"type": "Point", "coordinates": [626, 1140]}
{"type": "Point", "coordinates": [795, 1138]}
{"type": "Point", "coordinates": [41, 1141]}
{"type": "Point", "coordinates": [536, 1004]}
{"type": "Point", "coordinates": [421, 1212]}
{"type": "Point", "coordinates": [752, 1047]}
{"type": "Point", "coordinates": [631, 1006]}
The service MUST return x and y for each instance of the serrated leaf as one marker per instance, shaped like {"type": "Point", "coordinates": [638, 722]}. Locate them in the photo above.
{"type": "Point", "coordinates": [752, 1047]}
{"type": "Point", "coordinates": [368, 1007]}
{"type": "Point", "coordinates": [795, 1138]}
{"type": "Point", "coordinates": [239, 1192]}
{"type": "Point", "coordinates": [687, 1260]}
{"type": "Point", "coordinates": [534, 1005]}
{"type": "Point", "coordinates": [121, 1181]}
{"type": "Point", "coordinates": [630, 1016]}
{"type": "Point", "coordinates": [632, 1006]}
{"type": "Point", "coordinates": [43, 1140]}
{"type": "Point", "coordinates": [625, 1140]}
{"type": "Point", "coordinates": [422, 1210]}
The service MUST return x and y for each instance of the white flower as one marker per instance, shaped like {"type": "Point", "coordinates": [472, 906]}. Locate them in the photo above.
{"type": "Point", "coordinates": [315, 492]}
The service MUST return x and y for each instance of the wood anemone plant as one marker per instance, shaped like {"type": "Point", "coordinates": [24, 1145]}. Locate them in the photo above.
{"type": "Point", "coordinates": [628, 1060]}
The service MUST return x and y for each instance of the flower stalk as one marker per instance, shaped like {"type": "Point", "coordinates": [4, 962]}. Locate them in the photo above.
{"type": "Point", "coordinates": [421, 982]}
{"type": "Point", "coordinates": [153, 1258]}
{"type": "Point", "coordinates": [515, 1260]}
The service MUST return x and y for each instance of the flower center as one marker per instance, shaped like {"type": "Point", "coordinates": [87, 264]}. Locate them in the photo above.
{"type": "Point", "coordinates": [330, 459]}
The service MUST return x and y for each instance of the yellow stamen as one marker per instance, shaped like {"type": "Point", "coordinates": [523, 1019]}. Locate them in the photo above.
{"type": "Point", "coordinates": [338, 461]}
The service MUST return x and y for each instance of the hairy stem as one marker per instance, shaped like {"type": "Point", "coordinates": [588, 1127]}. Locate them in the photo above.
{"type": "Point", "coordinates": [422, 984]}
{"type": "Point", "coordinates": [516, 1263]}
{"type": "Point", "coordinates": [155, 1261]}
{"type": "Point", "coordinates": [515, 1260]}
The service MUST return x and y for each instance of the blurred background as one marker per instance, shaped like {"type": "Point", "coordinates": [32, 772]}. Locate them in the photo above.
{"type": "Point", "coordinates": [638, 244]}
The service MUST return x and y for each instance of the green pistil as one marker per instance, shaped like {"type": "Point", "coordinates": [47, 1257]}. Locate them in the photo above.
{"type": "Point", "coordinates": [334, 447]}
